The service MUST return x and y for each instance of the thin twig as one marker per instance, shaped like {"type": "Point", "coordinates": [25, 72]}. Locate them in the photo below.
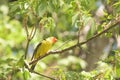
{"type": "Point", "coordinates": [26, 50]}
{"type": "Point", "coordinates": [78, 35]}
{"type": "Point", "coordinates": [33, 32]}
{"type": "Point", "coordinates": [62, 45]}
{"type": "Point", "coordinates": [27, 66]}
{"type": "Point", "coordinates": [43, 75]}
{"type": "Point", "coordinates": [109, 26]}
{"type": "Point", "coordinates": [80, 27]}
{"type": "Point", "coordinates": [27, 33]}
{"type": "Point", "coordinates": [25, 25]}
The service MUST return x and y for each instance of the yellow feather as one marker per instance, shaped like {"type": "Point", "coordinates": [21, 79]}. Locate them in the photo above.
{"type": "Point", "coordinates": [43, 48]}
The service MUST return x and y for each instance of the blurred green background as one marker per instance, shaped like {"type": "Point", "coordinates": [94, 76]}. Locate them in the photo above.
{"type": "Point", "coordinates": [99, 59]}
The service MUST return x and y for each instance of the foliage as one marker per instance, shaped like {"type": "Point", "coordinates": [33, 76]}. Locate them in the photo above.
{"type": "Point", "coordinates": [27, 22]}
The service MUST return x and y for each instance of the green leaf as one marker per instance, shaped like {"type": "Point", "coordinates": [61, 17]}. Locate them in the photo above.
{"type": "Point", "coordinates": [26, 74]}
{"type": "Point", "coordinates": [92, 29]}
{"type": "Point", "coordinates": [20, 63]}
{"type": "Point", "coordinates": [117, 3]}
{"type": "Point", "coordinates": [117, 70]}
{"type": "Point", "coordinates": [13, 9]}
{"type": "Point", "coordinates": [108, 34]}
{"type": "Point", "coordinates": [74, 18]}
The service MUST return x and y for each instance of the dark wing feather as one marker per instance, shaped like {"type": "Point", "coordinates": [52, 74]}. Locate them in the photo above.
{"type": "Point", "coordinates": [35, 50]}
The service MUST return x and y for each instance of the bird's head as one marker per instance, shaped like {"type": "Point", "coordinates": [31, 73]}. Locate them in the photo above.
{"type": "Point", "coordinates": [52, 39]}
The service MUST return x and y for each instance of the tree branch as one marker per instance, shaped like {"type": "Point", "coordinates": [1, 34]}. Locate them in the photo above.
{"type": "Point", "coordinates": [25, 24]}
{"type": "Point", "coordinates": [31, 34]}
{"type": "Point", "coordinates": [27, 33]}
{"type": "Point", "coordinates": [109, 26]}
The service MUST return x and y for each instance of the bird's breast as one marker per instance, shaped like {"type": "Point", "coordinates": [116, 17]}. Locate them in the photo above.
{"type": "Point", "coordinates": [45, 46]}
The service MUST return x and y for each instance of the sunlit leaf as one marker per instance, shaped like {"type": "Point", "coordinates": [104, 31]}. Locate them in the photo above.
{"type": "Point", "coordinates": [26, 74]}
{"type": "Point", "coordinates": [20, 63]}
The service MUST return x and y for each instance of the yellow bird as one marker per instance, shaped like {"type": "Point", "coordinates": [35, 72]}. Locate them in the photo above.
{"type": "Point", "coordinates": [42, 48]}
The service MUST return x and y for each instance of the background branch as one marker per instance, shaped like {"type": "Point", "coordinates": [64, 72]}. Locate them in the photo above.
{"type": "Point", "coordinates": [25, 24]}
{"type": "Point", "coordinates": [109, 26]}
{"type": "Point", "coordinates": [31, 34]}
{"type": "Point", "coordinates": [27, 33]}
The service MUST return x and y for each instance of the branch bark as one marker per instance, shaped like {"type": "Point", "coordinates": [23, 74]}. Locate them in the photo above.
{"type": "Point", "coordinates": [109, 26]}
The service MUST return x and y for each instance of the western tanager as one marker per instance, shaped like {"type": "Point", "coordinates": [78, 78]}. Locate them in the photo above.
{"type": "Point", "coordinates": [42, 48]}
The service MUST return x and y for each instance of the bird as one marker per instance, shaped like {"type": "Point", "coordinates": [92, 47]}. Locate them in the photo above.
{"type": "Point", "coordinates": [42, 48]}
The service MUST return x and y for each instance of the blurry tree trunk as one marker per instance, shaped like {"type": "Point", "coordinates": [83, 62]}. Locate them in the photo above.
{"type": "Point", "coordinates": [95, 49]}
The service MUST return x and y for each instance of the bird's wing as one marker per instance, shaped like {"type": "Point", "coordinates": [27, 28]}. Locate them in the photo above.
{"type": "Point", "coordinates": [35, 50]}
